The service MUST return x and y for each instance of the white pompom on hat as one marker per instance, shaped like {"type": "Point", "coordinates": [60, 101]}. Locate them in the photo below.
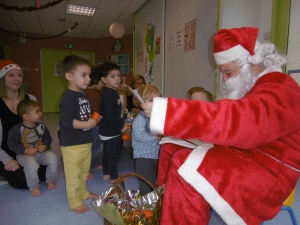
{"type": "Point", "coordinates": [7, 65]}
{"type": "Point", "coordinates": [232, 44]}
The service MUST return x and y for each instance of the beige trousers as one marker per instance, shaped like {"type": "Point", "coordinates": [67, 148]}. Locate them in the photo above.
{"type": "Point", "coordinates": [77, 160]}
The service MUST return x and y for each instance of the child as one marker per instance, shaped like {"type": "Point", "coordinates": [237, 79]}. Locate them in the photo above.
{"type": "Point", "coordinates": [29, 140]}
{"type": "Point", "coordinates": [199, 93]}
{"type": "Point", "coordinates": [94, 95]}
{"type": "Point", "coordinates": [112, 124]}
{"type": "Point", "coordinates": [145, 145]}
{"type": "Point", "coordinates": [76, 135]}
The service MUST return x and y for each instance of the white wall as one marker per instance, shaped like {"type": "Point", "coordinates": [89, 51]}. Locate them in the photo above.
{"type": "Point", "coordinates": [294, 39]}
{"type": "Point", "coordinates": [188, 69]}
{"type": "Point", "coordinates": [245, 13]}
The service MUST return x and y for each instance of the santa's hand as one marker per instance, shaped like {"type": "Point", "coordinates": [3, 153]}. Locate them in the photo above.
{"type": "Point", "coordinates": [147, 107]}
{"type": "Point", "coordinates": [12, 165]}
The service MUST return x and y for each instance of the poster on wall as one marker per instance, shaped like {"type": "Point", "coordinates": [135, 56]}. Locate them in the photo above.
{"type": "Point", "coordinates": [149, 48]}
{"type": "Point", "coordinates": [140, 57]}
{"type": "Point", "coordinates": [179, 38]}
{"type": "Point", "coordinates": [122, 61]}
{"type": "Point", "coordinates": [171, 43]}
{"type": "Point", "coordinates": [58, 69]}
{"type": "Point", "coordinates": [190, 36]}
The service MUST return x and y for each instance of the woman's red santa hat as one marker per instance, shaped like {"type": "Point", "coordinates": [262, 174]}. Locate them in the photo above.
{"type": "Point", "coordinates": [7, 65]}
{"type": "Point", "coordinates": [232, 44]}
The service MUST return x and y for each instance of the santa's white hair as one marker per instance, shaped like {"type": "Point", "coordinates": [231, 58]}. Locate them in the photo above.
{"type": "Point", "coordinates": [266, 55]}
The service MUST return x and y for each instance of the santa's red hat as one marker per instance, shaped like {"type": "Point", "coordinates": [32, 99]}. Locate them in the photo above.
{"type": "Point", "coordinates": [7, 65]}
{"type": "Point", "coordinates": [232, 44]}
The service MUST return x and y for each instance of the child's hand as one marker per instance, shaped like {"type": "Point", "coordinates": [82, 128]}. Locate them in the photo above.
{"type": "Point", "coordinates": [125, 128]}
{"type": "Point", "coordinates": [160, 136]}
{"type": "Point", "coordinates": [125, 110]}
{"type": "Point", "coordinates": [123, 86]}
{"type": "Point", "coordinates": [12, 165]}
{"type": "Point", "coordinates": [41, 148]}
{"type": "Point", "coordinates": [135, 110]}
{"type": "Point", "coordinates": [30, 151]}
{"type": "Point", "coordinates": [129, 116]}
{"type": "Point", "coordinates": [91, 123]}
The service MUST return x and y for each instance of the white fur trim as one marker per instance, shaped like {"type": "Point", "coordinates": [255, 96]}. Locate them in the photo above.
{"type": "Point", "coordinates": [7, 68]}
{"type": "Point", "coordinates": [230, 55]}
{"type": "Point", "coordinates": [158, 115]}
{"type": "Point", "coordinates": [176, 141]}
{"type": "Point", "coordinates": [188, 171]}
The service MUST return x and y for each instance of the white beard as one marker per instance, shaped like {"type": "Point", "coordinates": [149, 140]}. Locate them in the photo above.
{"type": "Point", "coordinates": [236, 87]}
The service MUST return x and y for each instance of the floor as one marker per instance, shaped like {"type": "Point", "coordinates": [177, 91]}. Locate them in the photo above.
{"type": "Point", "coordinates": [17, 207]}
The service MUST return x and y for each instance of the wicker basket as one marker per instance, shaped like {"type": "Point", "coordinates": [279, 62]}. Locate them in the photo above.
{"type": "Point", "coordinates": [155, 217]}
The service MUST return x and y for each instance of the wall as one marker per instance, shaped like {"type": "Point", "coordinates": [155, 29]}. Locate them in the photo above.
{"type": "Point", "coordinates": [294, 39]}
{"type": "Point", "coordinates": [193, 68]}
{"type": "Point", "coordinates": [150, 8]}
{"type": "Point", "coordinates": [27, 55]}
{"type": "Point", "coordinates": [243, 13]}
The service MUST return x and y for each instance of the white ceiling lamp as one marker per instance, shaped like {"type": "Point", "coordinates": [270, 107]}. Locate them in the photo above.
{"type": "Point", "coordinates": [80, 10]}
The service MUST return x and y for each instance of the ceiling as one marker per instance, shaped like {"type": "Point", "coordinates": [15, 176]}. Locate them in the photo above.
{"type": "Point", "coordinates": [48, 21]}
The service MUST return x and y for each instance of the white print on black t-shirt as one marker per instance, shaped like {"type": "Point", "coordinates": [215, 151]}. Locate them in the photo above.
{"type": "Point", "coordinates": [85, 110]}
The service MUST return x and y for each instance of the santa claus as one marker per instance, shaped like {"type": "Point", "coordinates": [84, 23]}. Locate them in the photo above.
{"type": "Point", "coordinates": [239, 155]}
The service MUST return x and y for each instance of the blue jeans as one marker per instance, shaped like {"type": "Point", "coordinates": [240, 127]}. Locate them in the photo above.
{"type": "Point", "coordinates": [96, 148]}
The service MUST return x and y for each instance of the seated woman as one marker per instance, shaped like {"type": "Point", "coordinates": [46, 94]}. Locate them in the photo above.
{"type": "Point", "coordinates": [11, 93]}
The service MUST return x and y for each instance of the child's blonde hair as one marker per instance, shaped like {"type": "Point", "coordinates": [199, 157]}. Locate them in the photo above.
{"type": "Point", "coordinates": [147, 93]}
{"type": "Point", "coordinates": [193, 90]}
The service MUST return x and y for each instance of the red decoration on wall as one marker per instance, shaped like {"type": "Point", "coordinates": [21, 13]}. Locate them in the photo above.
{"type": "Point", "coordinates": [38, 3]}
{"type": "Point", "coordinates": [30, 8]}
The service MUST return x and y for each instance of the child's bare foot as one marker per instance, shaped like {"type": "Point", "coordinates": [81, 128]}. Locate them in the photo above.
{"type": "Point", "coordinates": [81, 209]}
{"type": "Point", "coordinates": [106, 177]}
{"type": "Point", "coordinates": [35, 192]}
{"type": "Point", "coordinates": [100, 167]}
{"type": "Point", "coordinates": [51, 186]}
{"type": "Point", "coordinates": [90, 176]}
{"type": "Point", "coordinates": [92, 196]}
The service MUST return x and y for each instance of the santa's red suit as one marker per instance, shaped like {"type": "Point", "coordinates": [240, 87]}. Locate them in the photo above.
{"type": "Point", "coordinates": [253, 164]}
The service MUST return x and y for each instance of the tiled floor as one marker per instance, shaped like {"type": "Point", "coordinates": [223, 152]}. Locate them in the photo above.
{"type": "Point", "coordinates": [17, 207]}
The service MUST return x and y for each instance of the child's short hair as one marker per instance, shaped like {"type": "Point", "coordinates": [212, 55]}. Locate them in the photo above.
{"type": "Point", "coordinates": [71, 61]}
{"type": "Point", "coordinates": [96, 75]}
{"type": "Point", "coordinates": [147, 93]}
{"type": "Point", "coordinates": [193, 90]}
{"type": "Point", "coordinates": [108, 66]}
{"type": "Point", "coordinates": [25, 106]}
